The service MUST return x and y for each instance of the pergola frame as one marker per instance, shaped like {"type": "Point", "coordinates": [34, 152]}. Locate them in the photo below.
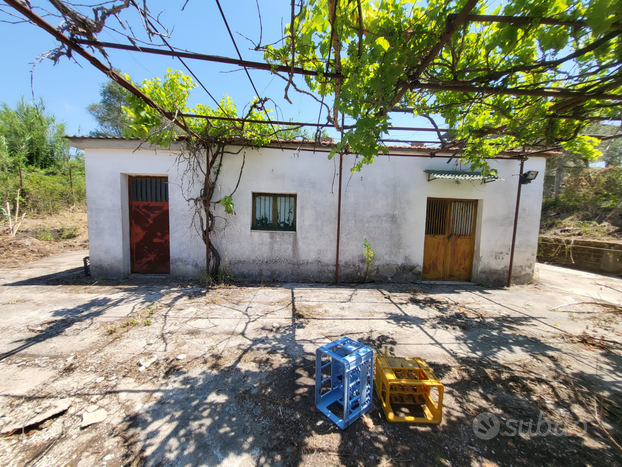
{"type": "Point", "coordinates": [568, 99]}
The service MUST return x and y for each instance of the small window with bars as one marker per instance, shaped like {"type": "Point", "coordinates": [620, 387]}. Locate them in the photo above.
{"type": "Point", "coordinates": [450, 217]}
{"type": "Point", "coordinates": [149, 189]}
{"type": "Point", "coordinates": [274, 212]}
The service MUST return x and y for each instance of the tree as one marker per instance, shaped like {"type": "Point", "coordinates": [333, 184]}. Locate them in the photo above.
{"type": "Point", "coordinates": [612, 152]}
{"type": "Point", "coordinates": [109, 110]}
{"type": "Point", "coordinates": [611, 148]}
{"type": "Point", "coordinates": [31, 137]}
{"type": "Point", "coordinates": [498, 85]}
{"type": "Point", "coordinates": [577, 160]}
{"type": "Point", "coordinates": [5, 158]}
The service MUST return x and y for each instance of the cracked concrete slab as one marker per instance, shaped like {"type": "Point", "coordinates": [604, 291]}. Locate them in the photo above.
{"type": "Point", "coordinates": [244, 392]}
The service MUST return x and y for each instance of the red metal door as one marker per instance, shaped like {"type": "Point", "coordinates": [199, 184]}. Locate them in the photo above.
{"type": "Point", "coordinates": [149, 227]}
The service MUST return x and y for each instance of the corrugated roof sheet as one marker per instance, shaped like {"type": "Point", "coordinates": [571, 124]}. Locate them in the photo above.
{"type": "Point", "coordinates": [452, 175]}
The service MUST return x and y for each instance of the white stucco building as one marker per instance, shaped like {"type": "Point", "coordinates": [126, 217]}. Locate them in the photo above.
{"type": "Point", "coordinates": [421, 225]}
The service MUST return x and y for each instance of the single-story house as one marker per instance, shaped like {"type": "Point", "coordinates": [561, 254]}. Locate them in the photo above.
{"type": "Point", "coordinates": [423, 213]}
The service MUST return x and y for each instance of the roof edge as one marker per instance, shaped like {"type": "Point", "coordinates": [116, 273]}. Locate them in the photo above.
{"type": "Point", "coordinates": [113, 142]}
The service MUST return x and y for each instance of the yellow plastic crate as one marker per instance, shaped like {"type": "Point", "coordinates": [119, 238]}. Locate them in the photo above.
{"type": "Point", "coordinates": [408, 381]}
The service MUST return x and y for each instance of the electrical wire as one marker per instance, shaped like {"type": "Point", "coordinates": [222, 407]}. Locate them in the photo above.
{"type": "Point", "coordinates": [224, 18]}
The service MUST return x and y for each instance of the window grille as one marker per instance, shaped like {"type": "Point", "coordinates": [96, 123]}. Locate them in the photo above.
{"type": "Point", "coordinates": [462, 218]}
{"type": "Point", "coordinates": [149, 189]}
{"type": "Point", "coordinates": [436, 218]}
{"type": "Point", "coordinates": [274, 212]}
{"type": "Point", "coordinates": [450, 217]}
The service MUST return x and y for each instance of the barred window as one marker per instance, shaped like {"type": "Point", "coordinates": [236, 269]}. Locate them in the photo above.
{"type": "Point", "coordinates": [274, 212]}
{"type": "Point", "coordinates": [150, 189]}
{"type": "Point", "coordinates": [450, 217]}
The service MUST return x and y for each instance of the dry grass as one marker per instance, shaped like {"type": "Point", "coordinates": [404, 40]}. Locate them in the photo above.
{"type": "Point", "coordinates": [600, 225]}
{"type": "Point", "coordinates": [42, 237]}
{"type": "Point", "coordinates": [308, 311]}
{"type": "Point", "coordinates": [587, 229]}
{"type": "Point", "coordinates": [589, 342]}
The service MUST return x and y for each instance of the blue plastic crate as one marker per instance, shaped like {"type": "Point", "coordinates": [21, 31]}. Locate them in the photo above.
{"type": "Point", "coordinates": [344, 380]}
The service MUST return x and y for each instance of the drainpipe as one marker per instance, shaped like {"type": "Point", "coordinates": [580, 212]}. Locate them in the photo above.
{"type": "Point", "coordinates": [338, 219]}
{"type": "Point", "coordinates": [522, 166]}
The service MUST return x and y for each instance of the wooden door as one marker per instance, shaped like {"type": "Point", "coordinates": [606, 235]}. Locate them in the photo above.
{"type": "Point", "coordinates": [149, 226]}
{"type": "Point", "coordinates": [449, 239]}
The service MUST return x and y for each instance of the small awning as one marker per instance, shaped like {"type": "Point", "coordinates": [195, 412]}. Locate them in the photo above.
{"type": "Point", "coordinates": [465, 176]}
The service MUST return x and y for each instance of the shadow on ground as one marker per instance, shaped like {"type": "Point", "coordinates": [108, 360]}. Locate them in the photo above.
{"type": "Point", "coordinates": [255, 404]}
{"type": "Point", "coordinates": [62, 320]}
{"type": "Point", "coordinates": [252, 402]}
{"type": "Point", "coordinates": [110, 295]}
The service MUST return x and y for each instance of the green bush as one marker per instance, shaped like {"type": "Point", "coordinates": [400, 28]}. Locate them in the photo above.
{"type": "Point", "coordinates": [593, 189]}
{"type": "Point", "coordinates": [44, 234]}
{"type": "Point", "coordinates": [44, 192]}
{"type": "Point", "coordinates": [66, 233]}
{"type": "Point", "coordinates": [590, 196]}
{"type": "Point", "coordinates": [589, 190]}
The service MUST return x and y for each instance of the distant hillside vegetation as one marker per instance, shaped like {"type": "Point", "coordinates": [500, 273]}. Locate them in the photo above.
{"type": "Point", "coordinates": [588, 203]}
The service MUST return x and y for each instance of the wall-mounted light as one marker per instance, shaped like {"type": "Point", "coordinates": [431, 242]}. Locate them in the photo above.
{"type": "Point", "coordinates": [528, 176]}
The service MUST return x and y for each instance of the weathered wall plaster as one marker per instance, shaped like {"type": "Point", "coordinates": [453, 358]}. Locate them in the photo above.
{"type": "Point", "coordinates": [385, 203]}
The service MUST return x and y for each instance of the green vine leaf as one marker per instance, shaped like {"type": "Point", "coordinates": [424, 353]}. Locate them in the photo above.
{"type": "Point", "coordinates": [227, 203]}
{"type": "Point", "coordinates": [380, 63]}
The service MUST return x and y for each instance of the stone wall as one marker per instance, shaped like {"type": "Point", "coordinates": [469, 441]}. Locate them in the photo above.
{"type": "Point", "coordinates": [586, 255]}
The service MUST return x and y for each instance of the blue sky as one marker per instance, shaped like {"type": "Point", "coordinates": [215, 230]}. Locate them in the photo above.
{"type": "Point", "coordinates": [67, 88]}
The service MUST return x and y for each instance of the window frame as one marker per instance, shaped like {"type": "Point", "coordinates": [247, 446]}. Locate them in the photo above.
{"type": "Point", "coordinates": [273, 227]}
